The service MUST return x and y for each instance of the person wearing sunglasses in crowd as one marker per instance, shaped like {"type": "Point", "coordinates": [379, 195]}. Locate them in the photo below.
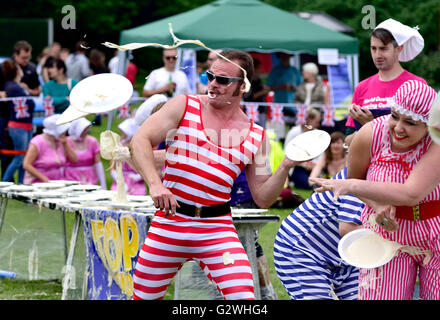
{"type": "Point", "coordinates": [167, 80]}
{"type": "Point", "coordinates": [210, 140]}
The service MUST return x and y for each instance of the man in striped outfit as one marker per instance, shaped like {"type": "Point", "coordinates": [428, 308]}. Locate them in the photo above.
{"type": "Point", "coordinates": [306, 254]}
{"type": "Point", "coordinates": [209, 141]}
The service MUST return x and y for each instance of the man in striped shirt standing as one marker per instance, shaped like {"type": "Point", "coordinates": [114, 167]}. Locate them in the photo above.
{"type": "Point", "coordinates": [209, 141]}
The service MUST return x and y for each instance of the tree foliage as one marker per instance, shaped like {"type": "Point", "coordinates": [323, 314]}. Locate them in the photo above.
{"type": "Point", "coordinates": [99, 21]}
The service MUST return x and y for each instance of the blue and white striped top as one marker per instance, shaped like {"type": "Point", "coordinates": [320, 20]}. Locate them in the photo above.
{"type": "Point", "coordinates": [313, 227]}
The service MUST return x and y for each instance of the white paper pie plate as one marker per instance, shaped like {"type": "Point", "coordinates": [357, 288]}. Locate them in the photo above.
{"type": "Point", "coordinates": [383, 252]}
{"type": "Point", "coordinates": [48, 185]}
{"type": "Point", "coordinates": [5, 184]}
{"type": "Point", "coordinates": [308, 145]}
{"type": "Point", "coordinates": [19, 188]}
{"type": "Point", "coordinates": [47, 194]}
{"type": "Point", "coordinates": [96, 94]}
{"type": "Point", "coordinates": [84, 187]}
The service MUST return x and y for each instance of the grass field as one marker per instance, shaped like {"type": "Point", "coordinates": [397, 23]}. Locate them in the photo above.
{"type": "Point", "coordinates": [21, 218]}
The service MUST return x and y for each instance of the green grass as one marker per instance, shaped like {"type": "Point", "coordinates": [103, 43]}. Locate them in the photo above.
{"type": "Point", "coordinates": [21, 217]}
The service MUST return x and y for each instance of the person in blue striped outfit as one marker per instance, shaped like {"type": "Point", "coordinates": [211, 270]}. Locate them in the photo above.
{"type": "Point", "coordinates": [306, 247]}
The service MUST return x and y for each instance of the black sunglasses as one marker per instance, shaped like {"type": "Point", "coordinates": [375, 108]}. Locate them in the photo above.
{"type": "Point", "coordinates": [222, 79]}
{"type": "Point", "coordinates": [170, 57]}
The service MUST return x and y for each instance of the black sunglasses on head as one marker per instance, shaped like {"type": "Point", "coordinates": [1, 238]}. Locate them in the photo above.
{"type": "Point", "coordinates": [170, 57]}
{"type": "Point", "coordinates": [223, 80]}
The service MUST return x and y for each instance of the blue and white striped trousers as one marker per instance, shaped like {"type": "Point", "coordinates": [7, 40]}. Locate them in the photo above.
{"type": "Point", "coordinates": [306, 277]}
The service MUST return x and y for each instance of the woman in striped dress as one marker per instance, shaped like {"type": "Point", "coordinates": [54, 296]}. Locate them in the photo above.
{"type": "Point", "coordinates": [210, 140]}
{"type": "Point", "coordinates": [396, 156]}
{"type": "Point", "coordinates": [306, 248]}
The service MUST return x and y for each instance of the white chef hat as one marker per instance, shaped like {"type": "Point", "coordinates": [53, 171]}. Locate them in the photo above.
{"type": "Point", "coordinates": [129, 127]}
{"type": "Point", "coordinates": [410, 38]}
{"type": "Point", "coordinates": [50, 126]}
{"type": "Point", "coordinates": [144, 110]}
{"type": "Point", "coordinates": [77, 127]}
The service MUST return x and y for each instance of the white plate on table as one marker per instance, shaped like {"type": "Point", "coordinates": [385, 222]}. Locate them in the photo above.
{"type": "Point", "coordinates": [88, 197]}
{"type": "Point", "coordinates": [117, 205]}
{"type": "Point", "coordinates": [307, 145]}
{"type": "Point", "coordinates": [84, 187]}
{"type": "Point", "coordinates": [145, 209]}
{"type": "Point", "coordinates": [5, 184]}
{"type": "Point", "coordinates": [47, 185]}
{"type": "Point", "coordinates": [139, 198]}
{"type": "Point", "coordinates": [19, 188]}
{"type": "Point", "coordinates": [47, 194]}
{"type": "Point", "coordinates": [64, 182]}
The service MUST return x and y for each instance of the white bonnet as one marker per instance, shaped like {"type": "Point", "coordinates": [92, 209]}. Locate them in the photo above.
{"type": "Point", "coordinates": [144, 110]}
{"type": "Point", "coordinates": [50, 126]}
{"type": "Point", "coordinates": [77, 127]}
{"type": "Point", "coordinates": [410, 38]}
{"type": "Point", "coordinates": [129, 127]}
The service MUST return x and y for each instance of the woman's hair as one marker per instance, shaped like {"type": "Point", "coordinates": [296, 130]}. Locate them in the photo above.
{"type": "Point", "coordinates": [335, 136]}
{"type": "Point", "coordinates": [97, 58]}
{"type": "Point", "coordinates": [57, 62]}
{"type": "Point", "coordinates": [311, 67]}
{"type": "Point", "coordinates": [10, 69]}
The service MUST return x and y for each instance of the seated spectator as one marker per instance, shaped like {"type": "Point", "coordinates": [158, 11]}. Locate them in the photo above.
{"type": "Point", "coordinates": [88, 169]}
{"type": "Point", "coordinates": [20, 118]}
{"type": "Point", "coordinates": [48, 152]}
{"type": "Point", "coordinates": [311, 90]}
{"type": "Point", "coordinates": [134, 183]}
{"type": "Point", "coordinates": [59, 87]}
{"type": "Point", "coordinates": [334, 159]}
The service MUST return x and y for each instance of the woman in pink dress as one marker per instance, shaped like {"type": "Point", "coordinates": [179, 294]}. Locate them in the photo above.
{"type": "Point", "coordinates": [396, 157]}
{"type": "Point", "coordinates": [48, 152]}
{"type": "Point", "coordinates": [134, 183]}
{"type": "Point", "coordinates": [88, 169]}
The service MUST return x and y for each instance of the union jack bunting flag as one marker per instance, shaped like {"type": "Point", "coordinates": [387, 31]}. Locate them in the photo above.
{"type": "Point", "coordinates": [21, 108]}
{"type": "Point", "coordinates": [328, 116]}
{"type": "Point", "coordinates": [277, 113]}
{"type": "Point", "coordinates": [49, 109]}
{"type": "Point", "coordinates": [301, 114]}
{"type": "Point", "coordinates": [124, 111]}
{"type": "Point", "coordinates": [252, 111]}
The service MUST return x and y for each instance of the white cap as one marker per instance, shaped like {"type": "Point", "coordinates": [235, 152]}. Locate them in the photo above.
{"type": "Point", "coordinates": [144, 110]}
{"type": "Point", "coordinates": [410, 38]}
{"type": "Point", "coordinates": [50, 126]}
{"type": "Point", "coordinates": [77, 127]}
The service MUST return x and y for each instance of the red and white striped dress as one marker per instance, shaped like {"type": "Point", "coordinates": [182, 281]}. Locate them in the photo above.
{"type": "Point", "coordinates": [200, 173]}
{"type": "Point", "coordinates": [396, 279]}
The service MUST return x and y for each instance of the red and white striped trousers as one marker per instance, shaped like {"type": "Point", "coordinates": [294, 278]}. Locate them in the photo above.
{"type": "Point", "coordinates": [396, 279]}
{"type": "Point", "coordinates": [213, 242]}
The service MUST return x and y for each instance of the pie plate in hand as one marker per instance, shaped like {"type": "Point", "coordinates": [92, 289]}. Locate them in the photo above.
{"type": "Point", "coordinates": [307, 145]}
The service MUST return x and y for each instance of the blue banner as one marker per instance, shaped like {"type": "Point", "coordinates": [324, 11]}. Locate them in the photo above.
{"type": "Point", "coordinates": [188, 66]}
{"type": "Point", "coordinates": [339, 81]}
{"type": "Point", "coordinates": [112, 242]}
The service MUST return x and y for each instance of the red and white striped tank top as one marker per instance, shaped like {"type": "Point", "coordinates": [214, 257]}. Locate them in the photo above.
{"type": "Point", "coordinates": [199, 172]}
{"type": "Point", "coordinates": [389, 166]}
